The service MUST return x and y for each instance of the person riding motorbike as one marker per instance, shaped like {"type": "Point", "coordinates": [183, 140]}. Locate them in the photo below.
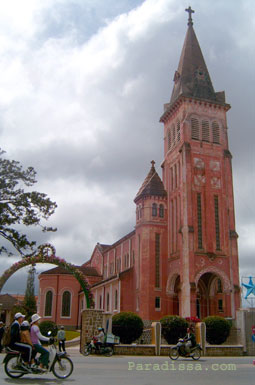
{"type": "Point", "coordinates": [100, 338]}
{"type": "Point", "coordinates": [16, 343]}
{"type": "Point", "coordinates": [189, 339]}
{"type": "Point", "coordinates": [36, 337]}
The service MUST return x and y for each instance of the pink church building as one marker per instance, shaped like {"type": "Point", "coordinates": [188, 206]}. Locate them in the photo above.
{"type": "Point", "coordinates": [182, 257]}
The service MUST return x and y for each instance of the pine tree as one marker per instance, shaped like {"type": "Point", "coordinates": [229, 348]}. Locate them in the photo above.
{"type": "Point", "coordinates": [29, 300]}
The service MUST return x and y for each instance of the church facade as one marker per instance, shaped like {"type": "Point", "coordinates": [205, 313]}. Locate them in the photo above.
{"type": "Point", "coordinates": [182, 257]}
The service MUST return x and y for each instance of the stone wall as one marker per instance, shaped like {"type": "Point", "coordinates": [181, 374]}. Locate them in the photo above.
{"type": "Point", "coordinates": [224, 350]}
{"type": "Point", "coordinates": [91, 320]}
{"type": "Point", "coordinates": [149, 350]}
{"type": "Point", "coordinates": [245, 319]}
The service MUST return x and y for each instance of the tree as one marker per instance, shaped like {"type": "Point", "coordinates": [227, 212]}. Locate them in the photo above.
{"type": "Point", "coordinates": [29, 302]}
{"type": "Point", "coordinates": [20, 207]}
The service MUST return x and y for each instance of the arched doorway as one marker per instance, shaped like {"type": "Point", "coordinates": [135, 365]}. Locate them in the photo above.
{"type": "Point", "coordinates": [210, 298]}
{"type": "Point", "coordinates": [46, 254]}
{"type": "Point", "coordinates": [173, 291]}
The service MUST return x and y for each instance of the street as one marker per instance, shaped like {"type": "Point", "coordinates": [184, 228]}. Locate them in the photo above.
{"type": "Point", "coordinates": [134, 370]}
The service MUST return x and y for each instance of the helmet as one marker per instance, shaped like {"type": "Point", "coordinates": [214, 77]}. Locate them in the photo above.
{"type": "Point", "coordinates": [24, 325]}
{"type": "Point", "coordinates": [99, 329]}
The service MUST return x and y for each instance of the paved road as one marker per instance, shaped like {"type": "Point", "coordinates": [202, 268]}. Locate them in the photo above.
{"type": "Point", "coordinates": [130, 370]}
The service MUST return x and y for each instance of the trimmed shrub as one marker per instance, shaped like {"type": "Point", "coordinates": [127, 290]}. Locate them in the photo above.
{"type": "Point", "coordinates": [173, 327]}
{"type": "Point", "coordinates": [128, 326]}
{"type": "Point", "coordinates": [46, 326]}
{"type": "Point", "coordinates": [217, 329]}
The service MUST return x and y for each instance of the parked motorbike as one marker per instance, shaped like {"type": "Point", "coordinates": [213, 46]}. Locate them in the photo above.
{"type": "Point", "coordinates": [59, 364]}
{"type": "Point", "coordinates": [179, 350]}
{"type": "Point", "coordinates": [91, 348]}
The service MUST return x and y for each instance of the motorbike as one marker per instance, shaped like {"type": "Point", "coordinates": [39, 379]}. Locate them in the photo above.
{"type": "Point", "coordinates": [91, 348]}
{"type": "Point", "coordinates": [59, 364]}
{"type": "Point", "coordinates": [179, 350]}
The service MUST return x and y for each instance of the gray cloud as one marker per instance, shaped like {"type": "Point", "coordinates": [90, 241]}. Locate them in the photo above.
{"type": "Point", "coordinates": [80, 99]}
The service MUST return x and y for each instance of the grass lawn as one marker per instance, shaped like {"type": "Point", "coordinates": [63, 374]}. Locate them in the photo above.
{"type": "Point", "coordinates": [70, 334]}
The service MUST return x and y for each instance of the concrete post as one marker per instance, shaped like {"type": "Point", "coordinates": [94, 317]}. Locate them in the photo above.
{"type": "Point", "coordinates": [156, 336]}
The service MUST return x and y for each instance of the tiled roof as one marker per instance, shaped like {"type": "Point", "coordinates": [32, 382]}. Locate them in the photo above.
{"type": "Point", "coordinates": [152, 185]}
{"type": "Point", "coordinates": [7, 301]}
{"type": "Point", "coordinates": [86, 270]}
{"type": "Point", "coordinates": [192, 78]}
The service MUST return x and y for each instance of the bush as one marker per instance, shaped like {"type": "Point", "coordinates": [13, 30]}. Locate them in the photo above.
{"type": "Point", "coordinates": [46, 326]}
{"type": "Point", "coordinates": [217, 329]}
{"type": "Point", "coordinates": [173, 327]}
{"type": "Point", "coordinates": [128, 326]}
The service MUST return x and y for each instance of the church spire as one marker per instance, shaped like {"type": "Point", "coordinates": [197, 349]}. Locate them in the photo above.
{"type": "Point", "coordinates": [192, 78]}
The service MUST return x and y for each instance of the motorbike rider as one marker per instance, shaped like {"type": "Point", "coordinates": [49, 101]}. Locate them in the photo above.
{"type": "Point", "coordinates": [36, 337]}
{"type": "Point", "coordinates": [16, 343]}
{"type": "Point", "coordinates": [189, 339]}
{"type": "Point", "coordinates": [100, 338]}
{"type": "Point", "coordinates": [26, 339]}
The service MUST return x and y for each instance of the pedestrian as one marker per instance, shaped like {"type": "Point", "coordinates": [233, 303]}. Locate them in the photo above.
{"type": "Point", "coordinates": [61, 339]}
{"type": "Point", "coordinates": [1, 334]}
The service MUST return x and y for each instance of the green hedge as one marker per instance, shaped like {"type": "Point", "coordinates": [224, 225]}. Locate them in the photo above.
{"type": "Point", "coordinates": [217, 329]}
{"type": "Point", "coordinates": [128, 326]}
{"type": "Point", "coordinates": [173, 327]}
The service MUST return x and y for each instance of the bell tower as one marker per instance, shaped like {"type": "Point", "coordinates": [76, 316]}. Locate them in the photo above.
{"type": "Point", "coordinates": [197, 175]}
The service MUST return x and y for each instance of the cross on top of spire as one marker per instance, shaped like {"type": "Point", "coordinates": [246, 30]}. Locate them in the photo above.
{"type": "Point", "coordinates": [190, 11]}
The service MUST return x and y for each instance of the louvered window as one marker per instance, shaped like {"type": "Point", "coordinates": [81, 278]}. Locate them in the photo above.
{"type": "Point", "coordinates": [194, 129]}
{"type": "Point", "coordinates": [216, 132]}
{"type": "Point", "coordinates": [173, 134]}
{"type": "Point", "coordinates": [169, 139]}
{"type": "Point", "coordinates": [205, 131]}
{"type": "Point", "coordinates": [178, 131]}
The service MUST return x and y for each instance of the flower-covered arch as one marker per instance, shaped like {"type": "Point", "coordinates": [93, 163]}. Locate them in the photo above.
{"type": "Point", "coordinates": [46, 254]}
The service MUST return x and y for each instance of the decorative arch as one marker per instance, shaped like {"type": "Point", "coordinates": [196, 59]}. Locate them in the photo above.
{"type": "Point", "coordinates": [171, 282]}
{"type": "Point", "coordinates": [220, 273]}
{"type": "Point", "coordinates": [46, 254]}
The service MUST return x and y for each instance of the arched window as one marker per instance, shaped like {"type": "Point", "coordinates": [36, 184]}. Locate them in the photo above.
{"type": "Point", "coordinates": [48, 304]}
{"type": "Point", "coordinates": [216, 132]}
{"type": "Point", "coordinates": [219, 286]}
{"type": "Point", "coordinates": [194, 129]}
{"type": "Point", "coordinates": [66, 304]}
{"type": "Point", "coordinates": [161, 211]}
{"type": "Point", "coordinates": [154, 209]}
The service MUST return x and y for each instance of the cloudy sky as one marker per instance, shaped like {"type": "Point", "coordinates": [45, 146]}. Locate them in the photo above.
{"type": "Point", "coordinates": [82, 87]}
